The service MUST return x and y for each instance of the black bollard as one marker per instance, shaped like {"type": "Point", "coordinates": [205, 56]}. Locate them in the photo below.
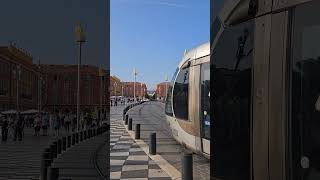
{"type": "Point", "coordinates": [126, 121]}
{"type": "Point", "coordinates": [81, 136]}
{"type": "Point", "coordinates": [45, 163]}
{"type": "Point", "coordinates": [73, 139]}
{"type": "Point", "coordinates": [55, 150]}
{"type": "Point", "coordinates": [64, 143]}
{"type": "Point", "coordinates": [69, 141]}
{"type": "Point", "coordinates": [59, 146]}
{"type": "Point", "coordinates": [126, 117]}
{"type": "Point", "coordinates": [53, 173]}
{"type": "Point", "coordinates": [130, 124]}
{"type": "Point", "coordinates": [77, 138]}
{"type": "Point", "coordinates": [187, 169]}
{"type": "Point", "coordinates": [52, 149]}
{"type": "Point", "coordinates": [153, 144]}
{"type": "Point", "coordinates": [137, 132]}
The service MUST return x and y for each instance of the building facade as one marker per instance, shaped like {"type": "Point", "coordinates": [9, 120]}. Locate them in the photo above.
{"type": "Point", "coordinates": [140, 89]}
{"type": "Point", "coordinates": [62, 89]}
{"type": "Point", "coordinates": [19, 80]}
{"type": "Point", "coordinates": [115, 86]}
{"type": "Point", "coordinates": [161, 90]}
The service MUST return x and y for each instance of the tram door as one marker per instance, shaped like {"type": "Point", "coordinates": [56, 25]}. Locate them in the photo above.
{"type": "Point", "coordinates": [205, 106]}
{"type": "Point", "coordinates": [305, 92]}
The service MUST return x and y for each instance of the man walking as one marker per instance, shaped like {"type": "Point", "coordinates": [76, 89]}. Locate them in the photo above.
{"type": "Point", "coordinates": [4, 129]}
{"type": "Point", "coordinates": [18, 128]}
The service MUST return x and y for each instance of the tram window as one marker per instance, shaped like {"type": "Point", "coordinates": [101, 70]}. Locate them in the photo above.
{"type": "Point", "coordinates": [205, 101]}
{"type": "Point", "coordinates": [305, 78]}
{"type": "Point", "coordinates": [181, 94]}
{"type": "Point", "coordinates": [231, 97]}
{"type": "Point", "coordinates": [168, 107]}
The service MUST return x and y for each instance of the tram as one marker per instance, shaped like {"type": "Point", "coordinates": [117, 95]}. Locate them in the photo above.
{"type": "Point", "coordinates": [265, 73]}
{"type": "Point", "coordinates": [187, 103]}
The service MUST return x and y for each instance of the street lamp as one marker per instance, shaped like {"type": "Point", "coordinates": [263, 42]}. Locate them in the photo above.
{"type": "Point", "coordinates": [134, 84]}
{"type": "Point", "coordinates": [101, 74]}
{"type": "Point", "coordinates": [80, 38]}
{"type": "Point", "coordinates": [166, 80]}
{"type": "Point", "coordinates": [17, 75]}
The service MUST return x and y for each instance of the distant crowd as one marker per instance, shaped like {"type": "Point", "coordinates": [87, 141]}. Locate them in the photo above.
{"type": "Point", "coordinates": [12, 126]}
{"type": "Point", "coordinates": [122, 101]}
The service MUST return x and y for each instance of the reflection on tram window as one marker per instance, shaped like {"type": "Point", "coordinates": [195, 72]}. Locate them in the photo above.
{"type": "Point", "coordinates": [231, 96]}
{"type": "Point", "coordinates": [205, 101]}
{"type": "Point", "coordinates": [168, 107]}
{"type": "Point", "coordinates": [305, 115]}
{"type": "Point", "coordinates": [180, 94]}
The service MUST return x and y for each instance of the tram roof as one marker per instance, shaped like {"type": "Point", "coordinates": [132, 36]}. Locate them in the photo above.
{"type": "Point", "coordinates": [234, 11]}
{"type": "Point", "coordinates": [195, 53]}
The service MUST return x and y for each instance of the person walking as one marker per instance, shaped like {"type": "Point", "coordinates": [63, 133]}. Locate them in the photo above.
{"type": "Point", "coordinates": [56, 124]}
{"type": "Point", "coordinates": [18, 128]}
{"type": "Point", "coordinates": [45, 124]}
{"type": "Point", "coordinates": [67, 121]}
{"type": "Point", "coordinates": [37, 125]}
{"type": "Point", "coordinates": [4, 129]}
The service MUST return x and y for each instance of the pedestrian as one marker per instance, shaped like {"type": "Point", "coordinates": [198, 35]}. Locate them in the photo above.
{"type": "Point", "coordinates": [56, 124]}
{"type": "Point", "coordinates": [67, 121]}
{"type": "Point", "coordinates": [37, 125]}
{"type": "Point", "coordinates": [18, 128]}
{"type": "Point", "coordinates": [45, 124]}
{"type": "Point", "coordinates": [4, 129]}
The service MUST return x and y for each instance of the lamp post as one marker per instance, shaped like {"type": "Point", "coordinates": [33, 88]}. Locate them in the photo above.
{"type": "Point", "coordinates": [166, 80]}
{"type": "Point", "coordinates": [135, 73]}
{"type": "Point", "coordinates": [39, 90]}
{"type": "Point", "coordinates": [80, 38]}
{"type": "Point", "coordinates": [101, 74]}
{"type": "Point", "coordinates": [17, 75]}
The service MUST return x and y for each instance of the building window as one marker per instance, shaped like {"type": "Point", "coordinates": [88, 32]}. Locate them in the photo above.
{"type": "Point", "coordinates": [4, 87]}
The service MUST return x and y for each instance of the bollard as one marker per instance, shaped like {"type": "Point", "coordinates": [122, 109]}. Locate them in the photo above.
{"type": "Point", "coordinates": [52, 151]}
{"type": "Point", "coordinates": [77, 137]}
{"type": "Point", "coordinates": [187, 169]}
{"type": "Point", "coordinates": [126, 118]}
{"type": "Point", "coordinates": [73, 139]}
{"type": "Point", "coordinates": [55, 152]}
{"type": "Point", "coordinates": [98, 131]}
{"type": "Point", "coordinates": [53, 173]}
{"type": "Point", "coordinates": [153, 144]}
{"type": "Point", "coordinates": [64, 143]}
{"type": "Point", "coordinates": [45, 163]}
{"type": "Point", "coordinates": [126, 121]}
{"type": "Point", "coordinates": [59, 147]}
{"type": "Point", "coordinates": [69, 141]}
{"type": "Point", "coordinates": [81, 136]}
{"type": "Point", "coordinates": [130, 124]}
{"type": "Point", "coordinates": [137, 132]}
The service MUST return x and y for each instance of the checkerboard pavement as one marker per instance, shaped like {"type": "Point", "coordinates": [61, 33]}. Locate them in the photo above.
{"type": "Point", "coordinates": [127, 160]}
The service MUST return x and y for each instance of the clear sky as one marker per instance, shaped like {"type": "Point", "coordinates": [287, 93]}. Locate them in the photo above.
{"type": "Point", "coordinates": [45, 28]}
{"type": "Point", "coordinates": [152, 35]}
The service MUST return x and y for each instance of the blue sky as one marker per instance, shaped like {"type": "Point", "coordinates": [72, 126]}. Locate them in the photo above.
{"type": "Point", "coordinates": [152, 35]}
{"type": "Point", "coordinates": [45, 28]}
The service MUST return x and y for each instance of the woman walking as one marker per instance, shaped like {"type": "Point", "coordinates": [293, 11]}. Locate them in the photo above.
{"type": "Point", "coordinates": [56, 124]}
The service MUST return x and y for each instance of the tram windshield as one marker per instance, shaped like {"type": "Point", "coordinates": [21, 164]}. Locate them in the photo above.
{"type": "Point", "coordinates": [231, 76]}
{"type": "Point", "coordinates": [168, 107]}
